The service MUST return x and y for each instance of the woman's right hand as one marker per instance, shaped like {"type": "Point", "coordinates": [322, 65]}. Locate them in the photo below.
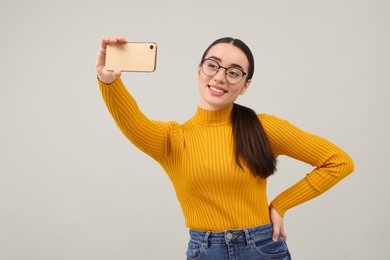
{"type": "Point", "coordinates": [104, 75]}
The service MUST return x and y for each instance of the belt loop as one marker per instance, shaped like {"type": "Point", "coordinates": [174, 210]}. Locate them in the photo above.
{"type": "Point", "coordinates": [205, 243]}
{"type": "Point", "coordinates": [247, 236]}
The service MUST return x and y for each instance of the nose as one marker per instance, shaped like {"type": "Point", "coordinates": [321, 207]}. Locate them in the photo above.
{"type": "Point", "coordinates": [220, 76]}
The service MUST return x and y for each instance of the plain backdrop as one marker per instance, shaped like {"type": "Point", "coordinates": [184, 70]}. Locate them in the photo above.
{"type": "Point", "coordinates": [72, 187]}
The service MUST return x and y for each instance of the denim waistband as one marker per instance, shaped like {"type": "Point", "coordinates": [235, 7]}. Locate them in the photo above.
{"type": "Point", "coordinates": [231, 235]}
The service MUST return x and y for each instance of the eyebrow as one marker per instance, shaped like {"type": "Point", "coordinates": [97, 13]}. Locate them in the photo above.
{"type": "Point", "coordinates": [220, 60]}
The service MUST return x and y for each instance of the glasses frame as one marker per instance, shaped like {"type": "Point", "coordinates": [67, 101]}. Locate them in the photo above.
{"type": "Point", "coordinates": [226, 69]}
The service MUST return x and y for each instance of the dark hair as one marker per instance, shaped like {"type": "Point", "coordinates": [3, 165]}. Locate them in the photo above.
{"type": "Point", "coordinates": [242, 46]}
{"type": "Point", "coordinates": [251, 144]}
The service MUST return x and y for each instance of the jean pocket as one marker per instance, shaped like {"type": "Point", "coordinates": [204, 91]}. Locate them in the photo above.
{"type": "Point", "coordinates": [194, 250]}
{"type": "Point", "coordinates": [276, 250]}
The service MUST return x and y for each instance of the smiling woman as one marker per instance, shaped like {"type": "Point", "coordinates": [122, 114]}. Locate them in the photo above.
{"type": "Point", "coordinates": [219, 160]}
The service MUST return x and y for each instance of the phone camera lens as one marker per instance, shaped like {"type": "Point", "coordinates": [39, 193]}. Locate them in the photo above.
{"type": "Point", "coordinates": [151, 47]}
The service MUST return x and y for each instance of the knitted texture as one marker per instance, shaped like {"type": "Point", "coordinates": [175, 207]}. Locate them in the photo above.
{"type": "Point", "coordinates": [215, 194]}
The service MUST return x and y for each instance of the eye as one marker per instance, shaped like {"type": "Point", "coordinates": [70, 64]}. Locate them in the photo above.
{"type": "Point", "coordinates": [212, 65]}
{"type": "Point", "coordinates": [234, 73]}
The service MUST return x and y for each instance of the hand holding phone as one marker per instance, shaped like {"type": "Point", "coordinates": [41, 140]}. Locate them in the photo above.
{"type": "Point", "coordinates": [131, 56]}
{"type": "Point", "coordinates": [103, 74]}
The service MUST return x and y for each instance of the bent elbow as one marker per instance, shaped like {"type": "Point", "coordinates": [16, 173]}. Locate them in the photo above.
{"type": "Point", "coordinates": [341, 165]}
{"type": "Point", "coordinates": [348, 165]}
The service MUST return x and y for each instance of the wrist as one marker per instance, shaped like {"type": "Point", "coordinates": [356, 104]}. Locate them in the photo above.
{"type": "Point", "coordinates": [105, 80]}
{"type": "Point", "coordinates": [278, 210]}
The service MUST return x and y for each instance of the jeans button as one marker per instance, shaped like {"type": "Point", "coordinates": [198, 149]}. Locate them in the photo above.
{"type": "Point", "coordinates": [229, 235]}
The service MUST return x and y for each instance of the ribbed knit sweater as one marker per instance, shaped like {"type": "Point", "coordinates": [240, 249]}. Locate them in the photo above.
{"type": "Point", "coordinates": [215, 194]}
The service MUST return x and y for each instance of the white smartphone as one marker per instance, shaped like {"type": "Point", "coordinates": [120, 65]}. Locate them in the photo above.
{"type": "Point", "coordinates": [132, 56]}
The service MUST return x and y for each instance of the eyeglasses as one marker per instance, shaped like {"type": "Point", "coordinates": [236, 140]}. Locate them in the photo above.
{"type": "Point", "coordinates": [232, 74]}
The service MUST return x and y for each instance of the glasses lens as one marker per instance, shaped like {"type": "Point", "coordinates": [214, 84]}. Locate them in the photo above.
{"type": "Point", "coordinates": [210, 67]}
{"type": "Point", "coordinates": [234, 75]}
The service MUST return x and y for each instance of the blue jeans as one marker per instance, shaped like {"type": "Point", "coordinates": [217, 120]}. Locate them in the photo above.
{"type": "Point", "coordinates": [244, 244]}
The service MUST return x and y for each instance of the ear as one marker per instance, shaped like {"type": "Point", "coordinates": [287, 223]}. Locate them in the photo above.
{"type": "Point", "coordinates": [245, 87]}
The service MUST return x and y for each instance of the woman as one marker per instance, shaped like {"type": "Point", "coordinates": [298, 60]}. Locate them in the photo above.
{"type": "Point", "coordinates": [219, 160]}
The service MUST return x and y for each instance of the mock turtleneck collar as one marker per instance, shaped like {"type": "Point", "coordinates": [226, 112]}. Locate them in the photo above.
{"type": "Point", "coordinates": [211, 117]}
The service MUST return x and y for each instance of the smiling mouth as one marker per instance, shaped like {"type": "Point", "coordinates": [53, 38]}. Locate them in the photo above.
{"type": "Point", "coordinates": [217, 90]}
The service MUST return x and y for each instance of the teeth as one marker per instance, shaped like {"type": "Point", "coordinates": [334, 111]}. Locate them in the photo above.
{"type": "Point", "coordinates": [217, 90]}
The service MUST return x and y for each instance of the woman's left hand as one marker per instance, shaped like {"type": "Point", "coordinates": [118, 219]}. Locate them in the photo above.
{"type": "Point", "coordinates": [278, 225]}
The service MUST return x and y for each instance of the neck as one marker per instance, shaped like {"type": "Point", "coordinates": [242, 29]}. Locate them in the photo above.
{"type": "Point", "coordinates": [209, 107]}
{"type": "Point", "coordinates": [213, 117]}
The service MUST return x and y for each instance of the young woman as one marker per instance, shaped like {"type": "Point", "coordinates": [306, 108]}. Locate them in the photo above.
{"type": "Point", "coordinates": [219, 160]}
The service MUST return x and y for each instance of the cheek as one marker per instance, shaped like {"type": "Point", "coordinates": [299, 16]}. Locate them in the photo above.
{"type": "Point", "coordinates": [201, 82]}
{"type": "Point", "coordinates": [202, 79]}
{"type": "Point", "coordinates": [239, 89]}
{"type": "Point", "coordinates": [200, 74]}
{"type": "Point", "coordinates": [236, 93]}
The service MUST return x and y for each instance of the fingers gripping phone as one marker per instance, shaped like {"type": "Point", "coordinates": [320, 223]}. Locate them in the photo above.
{"type": "Point", "coordinates": [132, 56]}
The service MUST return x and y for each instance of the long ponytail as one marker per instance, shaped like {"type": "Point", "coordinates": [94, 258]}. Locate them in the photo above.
{"type": "Point", "coordinates": [251, 144]}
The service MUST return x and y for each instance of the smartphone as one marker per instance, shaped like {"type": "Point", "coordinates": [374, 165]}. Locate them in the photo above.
{"type": "Point", "coordinates": [132, 56]}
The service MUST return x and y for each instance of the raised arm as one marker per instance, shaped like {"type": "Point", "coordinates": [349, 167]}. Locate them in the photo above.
{"type": "Point", "coordinates": [152, 137]}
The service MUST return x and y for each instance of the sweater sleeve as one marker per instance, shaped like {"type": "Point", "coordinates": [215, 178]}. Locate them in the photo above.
{"type": "Point", "coordinates": [331, 164]}
{"type": "Point", "coordinates": [151, 137]}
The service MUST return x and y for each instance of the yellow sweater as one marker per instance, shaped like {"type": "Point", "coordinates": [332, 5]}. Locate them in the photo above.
{"type": "Point", "coordinates": [214, 193]}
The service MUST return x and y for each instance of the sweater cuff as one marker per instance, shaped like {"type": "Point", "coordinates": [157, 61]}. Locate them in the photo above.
{"type": "Point", "coordinates": [278, 208]}
{"type": "Point", "coordinates": [106, 84]}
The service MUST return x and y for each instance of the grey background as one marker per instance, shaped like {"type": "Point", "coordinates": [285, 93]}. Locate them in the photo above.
{"type": "Point", "coordinates": [72, 187]}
